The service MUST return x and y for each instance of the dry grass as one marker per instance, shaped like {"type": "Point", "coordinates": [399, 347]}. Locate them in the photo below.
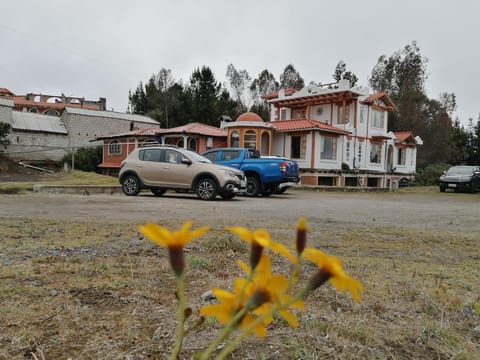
{"type": "Point", "coordinates": [24, 183]}
{"type": "Point", "coordinates": [99, 291]}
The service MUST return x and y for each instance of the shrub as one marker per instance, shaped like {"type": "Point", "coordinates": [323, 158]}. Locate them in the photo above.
{"type": "Point", "coordinates": [86, 159]}
{"type": "Point", "coordinates": [429, 175]}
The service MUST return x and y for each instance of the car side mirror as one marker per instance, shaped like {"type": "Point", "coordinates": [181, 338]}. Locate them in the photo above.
{"type": "Point", "coordinates": [186, 161]}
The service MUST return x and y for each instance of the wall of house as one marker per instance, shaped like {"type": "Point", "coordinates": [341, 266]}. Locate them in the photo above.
{"type": "Point", "coordinates": [83, 128]}
{"type": "Point", "coordinates": [48, 146]}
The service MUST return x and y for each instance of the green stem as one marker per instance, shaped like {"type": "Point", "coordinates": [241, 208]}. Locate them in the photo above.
{"type": "Point", "coordinates": [180, 318]}
{"type": "Point", "coordinates": [226, 331]}
{"type": "Point", "coordinates": [275, 307]}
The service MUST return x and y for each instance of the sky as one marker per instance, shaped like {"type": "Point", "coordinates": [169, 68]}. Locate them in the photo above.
{"type": "Point", "coordinates": [104, 48]}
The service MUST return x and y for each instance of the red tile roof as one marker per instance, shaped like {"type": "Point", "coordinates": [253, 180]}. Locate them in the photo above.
{"type": "Point", "coordinates": [249, 116]}
{"type": "Point", "coordinates": [196, 128]}
{"type": "Point", "coordinates": [305, 124]}
{"type": "Point", "coordinates": [380, 95]}
{"type": "Point", "coordinates": [403, 136]}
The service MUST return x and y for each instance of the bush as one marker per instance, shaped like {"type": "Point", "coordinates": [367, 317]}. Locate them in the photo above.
{"type": "Point", "coordinates": [86, 159]}
{"type": "Point", "coordinates": [429, 175]}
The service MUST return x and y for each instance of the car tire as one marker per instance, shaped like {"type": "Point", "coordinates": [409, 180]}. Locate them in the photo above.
{"type": "Point", "coordinates": [206, 189]}
{"type": "Point", "coordinates": [158, 192]}
{"type": "Point", "coordinates": [253, 186]}
{"type": "Point", "coordinates": [131, 185]}
{"type": "Point", "coordinates": [268, 190]}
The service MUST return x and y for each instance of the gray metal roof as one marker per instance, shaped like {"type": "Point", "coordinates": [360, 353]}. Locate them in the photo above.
{"type": "Point", "coordinates": [36, 122]}
{"type": "Point", "coordinates": [111, 114]}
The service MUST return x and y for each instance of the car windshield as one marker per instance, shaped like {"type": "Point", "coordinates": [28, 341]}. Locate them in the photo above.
{"type": "Point", "coordinates": [197, 157]}
{"type": "Point", "coordinates": [462, 170]}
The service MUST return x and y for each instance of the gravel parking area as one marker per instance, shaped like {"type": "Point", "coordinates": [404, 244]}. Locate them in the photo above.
{"type": "Point", "coordinates": [423, 210]}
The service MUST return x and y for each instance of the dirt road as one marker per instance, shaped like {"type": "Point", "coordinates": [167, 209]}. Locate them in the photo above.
{"type": "Point", "coordinates": [427, 210]}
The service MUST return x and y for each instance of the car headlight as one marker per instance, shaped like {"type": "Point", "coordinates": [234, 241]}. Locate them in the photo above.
{"type": "Point", "coordinates": [229, 173]}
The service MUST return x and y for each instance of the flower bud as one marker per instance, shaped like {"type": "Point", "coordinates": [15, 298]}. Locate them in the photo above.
{"type": "Point", "coordinates": [177, 260]}
{"type": "Point", "coordinates": [301, 235]}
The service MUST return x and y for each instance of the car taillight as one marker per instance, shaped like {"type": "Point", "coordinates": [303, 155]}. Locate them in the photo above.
{"type": "Point", "coordinates": [283, 167]}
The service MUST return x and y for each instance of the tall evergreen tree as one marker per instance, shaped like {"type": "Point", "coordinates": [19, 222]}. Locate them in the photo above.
{"type": "Point", "coordinates": [205, 90]}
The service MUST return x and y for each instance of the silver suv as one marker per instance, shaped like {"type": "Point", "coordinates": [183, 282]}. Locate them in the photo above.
{"type": "Point", "coordinates": [160, 168]}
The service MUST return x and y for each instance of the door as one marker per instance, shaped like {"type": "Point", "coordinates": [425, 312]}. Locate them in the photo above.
{"type": "Point", "coordinates": [175, 172]}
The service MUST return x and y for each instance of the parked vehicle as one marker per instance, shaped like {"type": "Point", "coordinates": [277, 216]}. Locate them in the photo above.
{"type": "Point", "coordinates": [265, 175]}
{"type": "Point", "coordinates": [162, 168]}
{"type": "Point", "coordinates": [461, 178]}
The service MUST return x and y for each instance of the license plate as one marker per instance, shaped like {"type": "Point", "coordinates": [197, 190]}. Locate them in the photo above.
{"type": "Point", "coordinates": [452, 185]}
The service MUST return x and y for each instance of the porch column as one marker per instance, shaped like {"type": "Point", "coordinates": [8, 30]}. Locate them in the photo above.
{"type": "Point", "coordinates": [185, 141]}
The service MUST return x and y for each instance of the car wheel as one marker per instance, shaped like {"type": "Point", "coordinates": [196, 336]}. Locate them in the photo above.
{"type": "Point", "coordinates": [206, 189]}
{"type": "Point", "coordinates": [268, 190]}
{"type": "Point", "coordinates": [253, 186]}
{"type": "Point", "coordinates": [158, 192]}
{"type": "Point", "coordinates": [131, 185]}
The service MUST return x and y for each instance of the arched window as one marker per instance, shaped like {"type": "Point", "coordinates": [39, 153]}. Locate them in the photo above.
{"type": "Point", "coordinates": [192, 144]}
{"type": "Point", "coordinates": [234, 139]}
{"type": "Point", "coordinates": [33, 110]}
{"type": "Point", "coordinates": [180, 143]}
{"type": "Point", "coordinates": [115, 148]}
{"type": "Point", "coordinates": [51, 112]}
{"type": "Point", "coordinates": [250, 139]}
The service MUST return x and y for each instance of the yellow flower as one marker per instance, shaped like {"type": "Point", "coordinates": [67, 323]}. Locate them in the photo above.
{"type": "Point", "coordinates": [173, 240]}
{"type": "Point", "coordinates": [331, 270]}
{"type": "Point", "coordinates": [229, 305]}
{"type": "Point", "coordinates": [274, 285]}
{"type": "Point", "coordinates": [162, 236]}
{"type": "Point", "coordinates": [261, 237]}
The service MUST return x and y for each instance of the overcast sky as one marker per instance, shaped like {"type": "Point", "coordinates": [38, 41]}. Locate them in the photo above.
{"type": "Point", "coordinates": [104, 48]}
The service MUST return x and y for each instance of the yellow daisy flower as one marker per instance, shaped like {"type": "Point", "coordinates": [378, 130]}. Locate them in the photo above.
{"type": "Point", "coordinates": [162, 236]}
{"type": "Point", "coordinates": [261, 238]}
{"type": "Point", "coordinates": [331, 270]}
{"type": "Point", "coordinates": [173, 240]}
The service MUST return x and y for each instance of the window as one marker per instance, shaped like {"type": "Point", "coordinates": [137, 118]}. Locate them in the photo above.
{"type": "Point", "coordinates": [234, 139]}
{"type": "Point", "coordinates": [347, 151]}
{"type": "Point", "coordinates": [298, 147]}
{"type": "Point", "coordinates": [172, 157]}
{"type": "Point", "coordinates": [115, 148]}
{"type": "Point", "coordinates": [401, 156]}
{"type": "Point", "coordinates": [149, 154]}
{"type": "Point", "coordinates": [329, 148]}
{"type": "Point", "coordinates": [378, 118]}
{"type": "Point", "coordinates": [339, 115]}
{"type": "Point", "coordinates": [230, 154]}
{"type": "Point", "coordinates": [283, 114]}
{"type": "Point", "coordinates": [299, 114]}
{"type": "Point", "coordinates": [250, 139]}
{"type": "Point", "coordinates": [362, 113]}
{"type": "Point", "coordinates": [376, 153]}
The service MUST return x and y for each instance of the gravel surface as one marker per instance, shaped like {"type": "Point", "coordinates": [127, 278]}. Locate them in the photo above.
{"type": "Point", "coordinates": [405, 209]}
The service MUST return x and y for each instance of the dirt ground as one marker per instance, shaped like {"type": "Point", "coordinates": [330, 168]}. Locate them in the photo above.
{"type": "Point", "coordinates": [78, 281]}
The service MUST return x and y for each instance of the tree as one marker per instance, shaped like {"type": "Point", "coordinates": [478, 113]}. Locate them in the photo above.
{"type": "Point", "coordinates": [4, 131]}
{"type": "Point", "coordinates": [341, 73]}
{"type": "Point", "coordinates": [239, 82]}
{"type": "Point", "coordinates": [403, 77]}
{"type": "Point", "coordinates": [291, 79]}
{"type": "Point", "coordinates": [264, 84]}
{"type": "Point", "coordinates": [205, 90]}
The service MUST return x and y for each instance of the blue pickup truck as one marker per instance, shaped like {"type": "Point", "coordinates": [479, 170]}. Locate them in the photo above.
{"type": "Point", "coordinates": [265, 175]}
